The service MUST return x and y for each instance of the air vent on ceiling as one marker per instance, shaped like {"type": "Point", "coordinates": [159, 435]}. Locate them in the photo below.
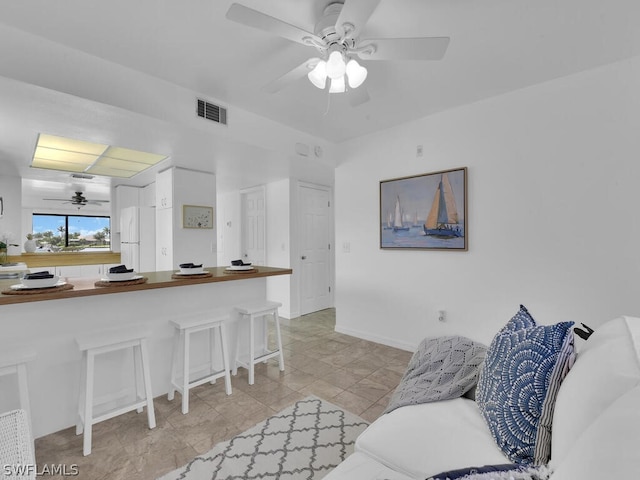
{"type": "Point", "coordinates": [83, 176]}
{"type": "Point", "coordinates": [212, 112]}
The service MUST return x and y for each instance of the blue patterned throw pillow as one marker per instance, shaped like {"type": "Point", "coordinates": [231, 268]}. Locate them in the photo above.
{"type": "Point", "coordinates": [518, 384]}
{"type": "Point", "coordinates": [519, 321]}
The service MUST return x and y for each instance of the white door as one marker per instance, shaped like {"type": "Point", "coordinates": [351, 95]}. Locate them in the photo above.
{"type": "Point", "coordinates": [253, 231]}
{"type": "Point", "coordinates": [315, 253]}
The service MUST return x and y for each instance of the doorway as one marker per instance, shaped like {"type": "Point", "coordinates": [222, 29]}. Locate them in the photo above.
{"type": "Point", "coordinates": [253, 226]}
{"type": "Point", "coordinates": [315, 248]}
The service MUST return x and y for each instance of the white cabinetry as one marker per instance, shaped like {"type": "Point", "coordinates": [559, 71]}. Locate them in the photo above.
{"type": "Point", "coordinates": [91, 270]}
{"type": "Point", "coordinates": [148, 196]}
{"type": "Point", "coordinates": [164, 189]}
{"type": "Point", "coordinates": [79, 270]}
{"type": "Point", "coordinates": [164, 239]}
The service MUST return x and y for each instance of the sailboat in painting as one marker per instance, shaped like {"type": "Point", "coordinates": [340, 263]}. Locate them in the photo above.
{"type": "Point", "coordinates": [398, 226]}
{"type": "Point", "coordinates": [442, 220]}
{"type": "Point", "coordinates": [416, 224]}
{"type": "Point", "coordinates": [389, 224]}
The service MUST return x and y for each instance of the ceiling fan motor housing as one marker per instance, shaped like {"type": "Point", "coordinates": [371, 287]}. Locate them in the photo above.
{"type": "Point", "coordinates": [326, 27]}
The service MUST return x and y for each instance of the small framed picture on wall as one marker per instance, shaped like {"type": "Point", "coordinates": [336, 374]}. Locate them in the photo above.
{"type": "Point", "coordinates": [195, 216]}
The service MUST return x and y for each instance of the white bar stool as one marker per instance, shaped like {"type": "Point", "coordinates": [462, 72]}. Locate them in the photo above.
{"type": "Point", "coordinates": [92, 345]}
{"type": "Point", "coordinates": [185, 327]}
{"type": "Point", "coordinates": [254, 311]}
{"type": "Point", "coordinates": [13, 361]}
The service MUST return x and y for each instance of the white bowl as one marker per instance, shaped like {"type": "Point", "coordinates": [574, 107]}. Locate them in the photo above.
{"type": "Point", "coordinates": [191, 271]}
{"type": "Point", "coordinates": [40, 282]}
{"type": "Point", "coordinates": [121, 277]}
{"type": "Point", "coordinates": [240, 267]}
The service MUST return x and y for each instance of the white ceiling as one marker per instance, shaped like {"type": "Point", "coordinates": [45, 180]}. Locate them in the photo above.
{"type": "Point", "coordinates": [496, 46]}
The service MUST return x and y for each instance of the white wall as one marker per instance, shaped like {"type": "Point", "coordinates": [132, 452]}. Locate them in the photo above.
{"type": "Point", "coordinates": [228, 222]}
{"type": "Point", "coordinates": [278, 245]}
{"type": "Point", "coordinates": [11, 220]}
{"type": "Point", "coordinates": [193, 244]}
{"type": "Point", "coordinates": [553, 191]}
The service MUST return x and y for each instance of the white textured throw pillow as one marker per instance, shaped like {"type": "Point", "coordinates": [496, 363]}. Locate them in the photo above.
{"type": "Point", "coordinates": [441, 368]}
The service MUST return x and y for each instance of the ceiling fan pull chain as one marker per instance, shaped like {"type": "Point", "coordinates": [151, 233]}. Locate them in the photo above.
{"type": "Point", "coordinates": [328, 103]}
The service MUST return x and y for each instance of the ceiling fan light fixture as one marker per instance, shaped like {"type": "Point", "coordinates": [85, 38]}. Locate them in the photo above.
{"type": "Point", "coordinates": [336, 67]}
{"type": "Point", "coordinates": [356, 73]}
{"type": "Point", "coordinates": [337, 85]}
{"type": "Point", "coordinates": [318, 76]}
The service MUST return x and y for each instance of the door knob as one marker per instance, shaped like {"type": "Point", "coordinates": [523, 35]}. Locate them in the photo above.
{"type": "Point", "coordinates": [303, 257]}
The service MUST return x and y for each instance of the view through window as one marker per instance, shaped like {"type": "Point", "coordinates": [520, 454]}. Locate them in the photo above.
{"type": "Point", "coordinates": [65, 233]}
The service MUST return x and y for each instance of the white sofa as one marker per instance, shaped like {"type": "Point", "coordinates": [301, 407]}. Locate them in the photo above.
{"type": "Point", "coordinates": [596, 423]}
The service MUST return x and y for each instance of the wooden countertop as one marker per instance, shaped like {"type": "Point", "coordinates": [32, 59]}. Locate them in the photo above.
{"type": "Point", "coordinates": [84, 287]}
{"type": "Point", "coordinates": [56, 259]}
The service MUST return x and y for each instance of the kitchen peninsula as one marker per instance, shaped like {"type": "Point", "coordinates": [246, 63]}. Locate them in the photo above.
{"type": "Point", "coordinates": [49, 324]}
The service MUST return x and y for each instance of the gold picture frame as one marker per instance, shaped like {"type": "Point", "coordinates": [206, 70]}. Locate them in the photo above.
{"type": "Point", "coordinates": [425, 212]}
{"type": "Point", "coordinates": [197, 216]}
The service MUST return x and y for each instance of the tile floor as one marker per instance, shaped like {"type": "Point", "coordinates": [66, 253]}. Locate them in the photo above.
{"type": "Point", "coordinates": [356, 374]}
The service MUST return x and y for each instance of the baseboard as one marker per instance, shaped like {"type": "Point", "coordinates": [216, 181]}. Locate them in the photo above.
{"type": "Point", "coordinates": [374, 338]}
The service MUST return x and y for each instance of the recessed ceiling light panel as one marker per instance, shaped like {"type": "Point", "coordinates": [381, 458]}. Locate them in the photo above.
{"type": "Point", "coordinates": [67, 154]}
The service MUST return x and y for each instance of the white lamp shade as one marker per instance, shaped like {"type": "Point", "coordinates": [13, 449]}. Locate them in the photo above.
{"type": "Point", "coordinates": [318, 76]}
{"type": "Point", "coordinates": [335, 65]}
{"type": "Point", "coordinates": [356, 73]}
{"type": "Point", "coordinates": [337, 85]}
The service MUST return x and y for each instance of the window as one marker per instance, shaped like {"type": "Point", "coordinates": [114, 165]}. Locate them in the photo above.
{"type": "Point", "coordinates": [56, 233]}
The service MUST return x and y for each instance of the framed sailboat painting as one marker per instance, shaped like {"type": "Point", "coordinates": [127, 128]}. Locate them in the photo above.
{"type": "Point", "coordinates": [427, 211]}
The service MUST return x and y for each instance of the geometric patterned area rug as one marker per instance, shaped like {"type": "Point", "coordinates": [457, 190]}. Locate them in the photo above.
{"type": "Point", "coordinates": [304, 441]}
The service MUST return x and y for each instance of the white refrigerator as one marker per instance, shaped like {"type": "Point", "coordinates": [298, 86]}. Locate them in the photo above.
{"type": "Point", "coordinates": [138, 238]}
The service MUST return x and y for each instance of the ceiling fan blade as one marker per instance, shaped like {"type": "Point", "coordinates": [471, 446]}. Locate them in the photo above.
{"type": "Point", "coordinates": [57, 199]}
{"type": "Point", "coordinates": [291, 76]}
{"type": "Point", "coordinates": [358, 96]}
{"type": "Point", "coordinates": [253, 18]}
{"type": "Point", "coordinates": [425, 48]}
{"type": "Point", "coordinates": [356, 13]}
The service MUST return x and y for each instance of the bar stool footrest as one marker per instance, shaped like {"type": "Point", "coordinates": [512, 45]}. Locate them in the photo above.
{"type": "Point", "coordinates": [200, 381]}
{"type": "Point", "coordinates": [119, 411]}
{"type": "Point", "coordinates": [244, 361]}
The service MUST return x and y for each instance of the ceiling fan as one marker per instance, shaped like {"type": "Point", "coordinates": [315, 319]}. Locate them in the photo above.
{"type": "Point", "coordinates": [337, 41]}
{"type": "Point", "coordinates": [79, 200]}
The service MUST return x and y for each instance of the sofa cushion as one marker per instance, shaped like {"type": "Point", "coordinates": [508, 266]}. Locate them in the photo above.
{"type": "Point", "coordinates": [422, 440]}
{"type": "Point", "coordinates": [608, 366]}
{"type": "Point", "coordinates": [608, 448]}
{"type": "Point", "coordinates": [359, 466]}
{"type": "Point", "coordinates": [519, 382]}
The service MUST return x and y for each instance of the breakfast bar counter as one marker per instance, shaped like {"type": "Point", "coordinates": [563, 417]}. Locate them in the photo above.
{"type": "Point", "coordinates": [49, 323]}
{"type": "Point", "coordinates": [83, 287]}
